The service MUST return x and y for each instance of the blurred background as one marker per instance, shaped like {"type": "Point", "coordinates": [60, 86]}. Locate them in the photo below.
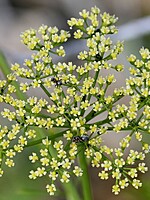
{"type": "Point", "coordinates": [19, 15]}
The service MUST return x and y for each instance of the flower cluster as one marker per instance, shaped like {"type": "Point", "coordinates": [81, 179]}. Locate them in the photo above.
{"type": "Point", "coordinates": [77, 98]}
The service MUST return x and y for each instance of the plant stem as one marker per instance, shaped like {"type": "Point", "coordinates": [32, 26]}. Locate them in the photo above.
{"type": "Point", "coordinates": [4, 66]}
{"type": "Point", "coordinates": [70, 191]}
{"type": "Point", "coordinates": [51, 137]}
{"type": "Point", "coordinates": [46, 91]}
{"type": "Point", "coordinates": [85, 181]}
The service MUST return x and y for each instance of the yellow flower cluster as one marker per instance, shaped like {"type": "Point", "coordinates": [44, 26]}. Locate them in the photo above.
{"type": "Point", "coordinates": [124, 171]}
{"type": "Point", "coordinates": [77, 110]}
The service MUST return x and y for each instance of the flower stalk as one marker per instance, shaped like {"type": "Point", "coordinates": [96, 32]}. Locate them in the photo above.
{"type": "Point", "coordinates": [85, 179]}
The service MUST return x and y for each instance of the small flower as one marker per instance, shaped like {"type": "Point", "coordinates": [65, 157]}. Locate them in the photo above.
{"type": "Point", "coordinates": [84, 13]}
{"type": "Point", "coordinates": [132, 173]}
{"type": "Point", "coordinates": [60, 51]}
{"type": "Point", "coordinates": [44, 152]}
{"type": "Point", "coordinates": [145, 53]}
{"type": "Point", "coordinates": [1, 172]}
{"type": "Point", "coordinates": [123, 183]}
{"type": "Point", "coordinates": [83, 55]}
{"type": "Point", "coordinates": [146, 148]}
{"type": "Point", "coordinates": [5, 144]}
{"type": "Point", "coordinates": [61, 154]}
{"type": "Point", "coordinates": [36, 83]}
{"type": "Point", "coordinates": [51, 189]}
{"type": "Point", "coordinates": [44, 161]}
{"type": "Point", "coordinates": [119, 162]}
{"type": "Point", "coordinates": [131, 58]}
{"type": "Point", "coordinates": [22, 140]}
{"type": "Point", "coordinates": [136, 183]}
{"type": "Point", "coordinates": [66, 163]}
{"type": "Point", "coordinates": [142, 168]}
{"type": "Point", "coordinates": [53, 175]}
{"type": "Point", "coordinates": [33, 174]}
{"type": "Point", "coordinates": [65, 177]}
{"type": "Point", "coordinates": [58, 145]}
{"type": "Point", "coordinates": [84, 104]}
{"type": "Point", "coordinates": [103, 175]}
{"type": "Point", "coordinates": [30, 134]}
{"type": "Point", "coordinates": [116, 174]}
{"type": "Point", "coordinates": [138, 136]}
{"type": "Point", "coordinates": [77, 171]}
{"type": "Point", "coordinates": [88, 152]}
{"type": "Point", "coordinates": [78, 34]}
{"type": "Point", "coordinates": [72, 22]}
{"type": "Point", "coordinates": [107, 165]}
{"type": "Point", "coordinates": [118, 152]}
{"type": "Point", "coordinates": [60, 121]}
{"type": "Point", "coordinates": [75, 123]}
{"type": "Point", "coordinates": [68, 135]}
{"type": "Point", "coordinates": [51, 109]}
{"type": "Point", "coordinates": [33, 157]}
{"type": "Point", "coordinates": [9, 162]}
{"type": "Point", "coordinates": [41, 171]}
{"type": "Point", "coordinates": [36, 109]}
{"type": "Point", "coordinates": [115, 189]}
{"type": "Point", "coordinates": [10, 153]}
{"type": "Point", "coordinates": [54, 164]}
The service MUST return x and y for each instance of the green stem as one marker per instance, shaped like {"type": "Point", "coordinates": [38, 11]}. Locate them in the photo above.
{"type": "Point", "coordinates": [46, 91]}
{"type": "Point", "coordinates": [93, 114]}
{"type": "Point", "coordinates": [129, 128]}
{"type": "Point", "coordinates": [4, 66]}
{"type": "Point", "coordinates": [51, 137]}
{"type": "Point", "coordinates": [70, 191]}
{"type": "Point", "coordinates": [85, 181]}
{"type": "Point", "coordinates": [143, 103]}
